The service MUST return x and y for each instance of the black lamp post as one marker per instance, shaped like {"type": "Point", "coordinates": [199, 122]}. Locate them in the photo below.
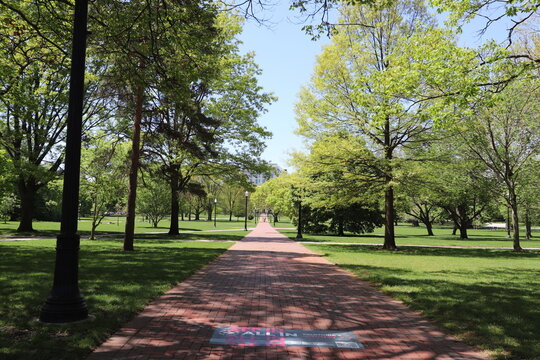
{"type": "Point", "coordinates": [245, 219]}
{"type": "Point", "coordinates": [65, 303]}
{"type": "Point", "coordinates": [215, 211]}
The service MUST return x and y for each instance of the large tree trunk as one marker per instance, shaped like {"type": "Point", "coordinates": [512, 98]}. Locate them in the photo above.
{"type": "Point", "coordinates": [133, 172]}
{"type": "Point", "coordinates": [299, 227]}
{"type": "Point", "coordinates": [528, 225]}
{"type": "Point", "coordinates": [341, 228]}
{"type": "Point", "coordinates": [209, 210]}
{"type": "Point", "coordinates": [27, 194]}
{"type": "Point", "coordinates": [429, 227]}
{"type": "Point", "coordinates": [175, 206]}
{"type": "Point", "coordinates": [230, 215]}
{"type": "Point", "coordinates": [389, 235]}
{"type": "Point", "coordinates": [515, 220]}
{"type": "Point", "coordinates": [463, 230]}
{"type": "Point", "coordinates": [463, 222]}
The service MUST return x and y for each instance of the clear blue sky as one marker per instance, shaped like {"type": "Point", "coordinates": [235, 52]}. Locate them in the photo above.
{"type": "Point", "coordinates": [287, 57]}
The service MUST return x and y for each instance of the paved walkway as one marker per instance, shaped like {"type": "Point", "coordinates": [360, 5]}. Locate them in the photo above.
{"type": "Point", "coordinates": [267, 280]}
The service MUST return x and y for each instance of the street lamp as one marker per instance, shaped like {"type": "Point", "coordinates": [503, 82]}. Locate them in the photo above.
{"type": "Point", "coordinates": [245, 220]}
{"type": "Point", "coordinates": [215, 211]}
{"type": "Point", "coordinates": [65, 303]}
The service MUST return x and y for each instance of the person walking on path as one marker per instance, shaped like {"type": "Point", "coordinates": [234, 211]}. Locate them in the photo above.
{"type": "Point", "coordinates": [269, 281]}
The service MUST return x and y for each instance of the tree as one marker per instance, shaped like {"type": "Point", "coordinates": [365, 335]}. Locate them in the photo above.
{"type": "Point", "coordinates": [34, 87]}
{"type": "Point", "coordinates": [153, 48]}
{"type": "Point", "coordinates": [277, 195]}
{"type": "Point", "coordinates": [529, 194]}
{"type": "Point", "coordinates": [8, 203]}
{"type": "Point", "coordinates": [504, 135]}
{"type": "Point", "coordinates": [341, 185]}
{"type": "Point", "coordinates": [154, 200]}
{"type": "Point", "coordinates": [231, 191]}
{"type": "Point", "coordinates": [388, 79]}
{"type": "Point", "coordinates": [460, 187]}
{"type": "Point", "coordinates": [103, 170]}
{"type": "Point", "coordinates": [214, 131]}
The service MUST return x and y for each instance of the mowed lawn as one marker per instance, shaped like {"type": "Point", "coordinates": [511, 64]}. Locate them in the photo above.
{"type": "Point", "coordinates": [489, 298]}
{"type": "Point", "coordinates": [115, 284]}
{"type": "Point", "coordinates": [409, 235]}
{"type": "Point", "coordinates": [190, 230]}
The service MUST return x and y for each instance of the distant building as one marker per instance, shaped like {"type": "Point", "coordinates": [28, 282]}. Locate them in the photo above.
{"type": "Point", "coordinates": [258, 179]}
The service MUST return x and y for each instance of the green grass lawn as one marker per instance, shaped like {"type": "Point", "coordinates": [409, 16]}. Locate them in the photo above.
{"type": "Point", "coordinates": [114, 225]}
{"type": "Point", "coordinates": [409, 235]}
{"type": "Point", "coordinates": [115, 284]}
{"type": "Point", "coordinates": [489, 298]}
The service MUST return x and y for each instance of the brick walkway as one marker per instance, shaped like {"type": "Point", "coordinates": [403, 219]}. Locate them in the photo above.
{"type": "Point", "coordinates": [267, 280]}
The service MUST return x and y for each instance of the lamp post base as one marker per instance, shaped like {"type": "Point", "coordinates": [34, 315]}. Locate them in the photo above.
{"type": "Point", "coordinates": [63, 310]}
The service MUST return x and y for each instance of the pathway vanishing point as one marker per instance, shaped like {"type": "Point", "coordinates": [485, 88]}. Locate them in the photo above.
{"type": "Point", "coordinates": [269, 281]}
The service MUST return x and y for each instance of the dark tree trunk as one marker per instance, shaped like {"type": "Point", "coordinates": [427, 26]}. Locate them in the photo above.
{"type": "Point", "coordinates": [209, 210]}
{"type": "Point", "coordinates": [528, 225]}
{"type": "Point", "coordinates": [515, 220]}
{"type": "Point", "coordinates": [456, 227]}
{"type": "Point", "coordinates": [299, 228]}
{"type": "Point", "coordinates": [197, 214]}
{"type": "Point", "coordinates": [230, 215]}
{"type": "Point", "coordinates": [341, 230]}
{"type": "Point", "coordinates": [389, 235]}
{"type": "Point", "coordinates": [463, 230]}
{"type": "Point", "coordinates": [27, 194]}
{"type": "Point", "coordinates": [133, 172]}
{"type": "Point", "coordinates": [175, 207]}
{"type": "Point", "coordinates": [429, 227]}
{"type": "Point", "coordinates": [93, 231]}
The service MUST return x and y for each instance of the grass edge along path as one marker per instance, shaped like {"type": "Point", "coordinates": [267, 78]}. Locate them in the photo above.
{"type": "Point", "coordinates": [116, 286]}
{"type": "Point", "coordinates": [488, 298]}
{"type": "Point", "coordinates": [409, 235]}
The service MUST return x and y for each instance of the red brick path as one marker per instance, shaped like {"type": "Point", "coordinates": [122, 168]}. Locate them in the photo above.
{"type": "Point", "coordinates": [267, 280]}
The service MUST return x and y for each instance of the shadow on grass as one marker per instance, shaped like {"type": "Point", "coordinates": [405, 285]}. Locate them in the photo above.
{"type": "Point", "coordinates": [191, 236]}
{"type": "Point", "coordinates": [115, 284]}
{"type": "Point", "coordinates": [432, 251]}
{"type": "Point", "coordinates": [496, 308]}
{"type": "Point", "coordinates": [499, 316]}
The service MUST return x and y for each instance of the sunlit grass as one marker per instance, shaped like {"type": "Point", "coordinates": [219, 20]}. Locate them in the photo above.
{"type": "Point", "coordinates": [489, 298]}
{"type": "Point", "coordinates": [116, 225]}
{"type": "Point", "coordinates": [409, 235]}
{"type": "Point", "coordinates": [115, 284]}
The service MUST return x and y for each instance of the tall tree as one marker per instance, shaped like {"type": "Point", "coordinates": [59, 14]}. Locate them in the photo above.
{"type": "Point", "coordinates": [504, 135]}
{"type": "Point", "coordinates": [103, 173]}
{"type": "Point", "coordinates": [34, 80]}
{"type": "Point", "coordinates": [385, 78]}
{"type": "Point", "coordinates": [214, 131]}
{"type": "Point", "coordinates": [154, 47]}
